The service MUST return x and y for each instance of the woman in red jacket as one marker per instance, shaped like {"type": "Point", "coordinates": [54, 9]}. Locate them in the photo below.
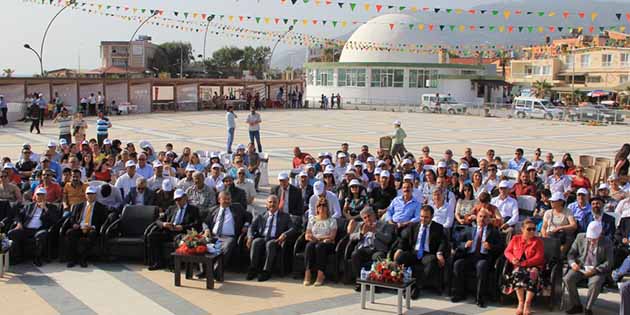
{"type": "Point", "coordinates": [526, 253]}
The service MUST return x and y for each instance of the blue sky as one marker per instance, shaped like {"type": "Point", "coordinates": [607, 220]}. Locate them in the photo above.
{"type": "Point", "coordinates": [77, 34]}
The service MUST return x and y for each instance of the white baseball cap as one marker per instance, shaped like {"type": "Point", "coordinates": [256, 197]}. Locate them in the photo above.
{"type": "Point", "coordinates": [157, 164]}
{"type": "Point", "coordinates": [594, 230]}
{"type": "Point", "coordinates": [167, 185]}
{"type": "Point", "coordinates": [214, 155]}
{"type": "Point", "coordinates": [240, 147]}
{"type": "Point", "coordinates": [463, 166]}
{"type": "Point", "coordinates": [283, 176]}
{"type": "Point", "coordinates": [558, 165]}
{"type": "Point", "coordinates": [321, 154]}
{"type": "Point", "coordinates": [303, 174]}
{"type": "Point", "coordinates": [328, 171]}
{"type": "Point", "coordinates": [380, 163]}
{"type": "Point", "coordinates": [385, 174]}
{"type": "Point", "coordinates": [358, 163]}
{"type": "Point", "coordinates": [557, 196]}
{"type": "Point", "coordinates": [582, 191]}
{"type": "Point", "coordinates": [107, 141]}
{"type": "Point", "coordinates": [326, 162]}
{"type": "Point", "coordinates": [603, 186]}
{"type": "Point", "coordinates": [406, 161]}
{"type": "Point", "coordinates": [130, 163]}
{"type": "Point", "coordinates": [377, 171]}
{"type": "Point", "coordinates": [63, 142]}
{"type": "Point", "coordinates": [41, 191]}
{"type": "Point", "coordinates": [397, 122]}
{"type": "Point", "coordinates": [349, 171]}
{"type": "Point", "coordinates": [52, 143]}
{"type": "Point", "coordinates": [216, 165]}
{"type": "Point", "coordinates": [8, 165]}
{"type": "Point", "coordinates": [179, 193]}
{"type": "Point", "coordinates": [190, 168]}
{"type": "Point", "coordinates": [531, 168]}
{"type": "Point", "coordinates": [441, 164]}
{"type": "Point", "coordinates": [309, 166]}
{"type": "Point", "coordinates": [91, 190]}
{"type": "Point", "coordinates": [408, 177]}
{"type": "Point", "coordinates": [504, 184]}
{"type": "Point", "coordinates": [341, 155]}
{"type": "Point", "coordinates": [318, 188]}
{"type": "Point", "coordinates": [371, 159]}
{"type": "Point", "coordinates": [355, 182]}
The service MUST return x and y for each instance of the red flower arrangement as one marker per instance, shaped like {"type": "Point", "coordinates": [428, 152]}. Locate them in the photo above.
{"type": "Point", "coordinates": [192, 243]}
{"type": "Point", "coordinates": [386, 271]}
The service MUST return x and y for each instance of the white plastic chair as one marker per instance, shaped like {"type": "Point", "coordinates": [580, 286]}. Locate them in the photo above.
{"type": "Point", "coordinates": [526, 203]}
{"type": "Point", "coordinates": [264, 170]}
{"type": "Point", "coordinates": [509, 173]}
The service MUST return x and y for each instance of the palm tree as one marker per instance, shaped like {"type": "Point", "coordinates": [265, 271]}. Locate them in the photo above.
{"type": "Point", "coordinates": [8, 72]}
{"type": "Point", "coordinates": [543, 88]}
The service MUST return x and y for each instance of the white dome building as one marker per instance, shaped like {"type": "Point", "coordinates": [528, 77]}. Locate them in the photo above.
{"type": "Point", "coordinates": [382, 76]}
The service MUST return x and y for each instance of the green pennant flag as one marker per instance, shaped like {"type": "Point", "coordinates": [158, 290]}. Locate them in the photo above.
{"type": "Point", "coordinates": [449, 10]}
{"type": "Point", "coordinates": [334, 23]}
{"type": "Point", "coordinates": [541, 13]}
{"type": "Point", "coordinates": [530, 29]}
{"type": "Point", "coordinates": [109, 7]}
{"type": "Point", "coordinates": [306, 1]}
{"type": "Point", "coordinates": [285, 21]}
{"type": "Point", "coordinates": [401, 8]}
{"type": "Point", "coordinates": [491, 28]}
{"type": "Point", "coordinates": [186, 14]}
{"type": "Point", "coordinates": [257, 19]}
{"type": "Point", "coordinates": [143, 10]}
{"type": "Point", "coordinates": [612, 28]}
{"type": "Point", "coordinates": [452, 27]}
{"type": "Point", "coordinates": [495, 12]}
{"type": "Point", "coordinates": [352, 6]}
{"type": "Point", "coordinates": [294, 21]}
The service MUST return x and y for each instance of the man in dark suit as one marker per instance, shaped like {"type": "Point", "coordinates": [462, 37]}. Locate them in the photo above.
{"type": "Point", "coordinates": [289, 196]}
{"type": "Point", "coordinates": [477, 250]}
{"type": "Point", "coordinates": [33, 222]}
{"type": "Point", "coordinates": [423, 246]}
{"type": "Point", "coordinates": [226, 222]}
{"type": "Point", "coordinates": [140, 195]}
{"type": "Point", "coordinates": [374, 238]}
{"type": "Point", "coordinates": [177, 220]}
{"type": "Point", "coordinates": [306, 191]}
{"type": "Point", "coordinates": [590, 257]}
{"type": "Point", "coordinates": [84, 226]}
{"type": "Point", "coordinates": [265, 236]}
{"type": "Point", "coordinates": [597, 214]}
{"type": "Point", "coordinates": [237, 195]}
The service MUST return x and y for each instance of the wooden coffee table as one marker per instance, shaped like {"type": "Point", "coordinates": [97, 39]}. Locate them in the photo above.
{"type": "Point", "coordinates": [207, 260]}
{"type": "Point", "coordinates": [399, 287]}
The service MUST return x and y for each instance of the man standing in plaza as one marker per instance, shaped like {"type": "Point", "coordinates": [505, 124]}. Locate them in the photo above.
{"type": "Point", "coordinates": [254, 120]}
{"type": "Point", "coordinates": [398, 139]}
{"type": "Point", "coordinates": [102, 128]}
{"type": "Point", "coordinates": [230, 118]}
{"type": "Point", "coordinates": [65, 125]}
{"type": "Point", "coordinates": [3, 111]}
{"type": "Point", "coordinates": [41, 103]}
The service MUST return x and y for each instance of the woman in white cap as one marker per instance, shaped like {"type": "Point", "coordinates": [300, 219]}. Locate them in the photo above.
{"type": "Point", "coordinates": [429, 184]}
{"type": "Point", "coordinates": [558, 222]}
{"type": "Point", "coordinates": [321, 232]}
{"type": "Point", "coordinates": [398, 139]}
{"type": "Point", "coordinates": [355, 201]}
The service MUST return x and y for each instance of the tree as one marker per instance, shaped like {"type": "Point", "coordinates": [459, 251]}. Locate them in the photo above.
{"type": "Point", "coordinates": [8, 72]}
{"type": "Point", "coordinates": [543, 88]}
{"type": "Point", "coordinates": [232, 61]}
{"type": "Point", "coordinates": [167, 57]}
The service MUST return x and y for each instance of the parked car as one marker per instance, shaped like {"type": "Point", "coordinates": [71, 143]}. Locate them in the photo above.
{"type": "Point", "coordinates": [531, 107]}
{"type": "Point", "coordinates": [596, 112]}
{"type": "Point", "coordinates": [446, 104]}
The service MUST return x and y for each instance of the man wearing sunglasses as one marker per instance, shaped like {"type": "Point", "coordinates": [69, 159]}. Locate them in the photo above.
{"type": "Point", "coordinates": [53, 190]}
{"type": "Point", "coordinates": [518, 161]}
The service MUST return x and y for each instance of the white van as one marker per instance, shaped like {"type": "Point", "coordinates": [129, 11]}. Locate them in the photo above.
{"type": "Point", "coordinates": [446, 104]}
{"type": "Point", "coordinates": [531, 107]}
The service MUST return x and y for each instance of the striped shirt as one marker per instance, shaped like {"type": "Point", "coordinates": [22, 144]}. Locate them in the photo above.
{"type": "Point", "coordinates": [65, 124]}
{"type": "Point", "coordinates": [102, 126]}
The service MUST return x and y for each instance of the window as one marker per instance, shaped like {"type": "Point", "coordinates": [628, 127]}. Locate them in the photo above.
{"type": "Point", "coordinates": [351, 77]}
{"type": "Point", "coordinates": [387, 78]}
{"type": "Point", "coordinates": [119, 62]}
{"type": "Point", "coordinates": [594, 79]}
{"type": "Point", "coordinates": [623, 79]}
{"type": "Point", "coordinates": [423, 79]}
{"type": "Point", "coordinates": [324, 77]}
{"type": "Point", "coordinates": [309, 77]}
{"type": "Point", "coordinates": [545, 70]}
{"type": "Point", "coordinates": [469, 72]}
{"type": "Point", "coordinates": [607, 60]}
{"type": "Point", "coordinates": [625, 60]}
{"type": "Point", "coordinates": [585, 61]}
{"type": "Point", "coordinates": [529, 70]}
{"type": "Point", "coordinates": [569, 60]}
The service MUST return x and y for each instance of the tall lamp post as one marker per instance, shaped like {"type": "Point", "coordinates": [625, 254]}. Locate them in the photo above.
{"type": "Point", "coordinates": [276, 45]}
{"type": "Point", "coordinates": [40, 55]}
{"type": "Point", "coordinates": [130, 50]}
{"type": "Point", "coordinates": [205, 37]}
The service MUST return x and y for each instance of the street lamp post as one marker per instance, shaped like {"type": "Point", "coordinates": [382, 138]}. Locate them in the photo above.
{"type": "Point", "coordinates": [205, 37]}
{"type": "Point", "coordinates": [276, 45]}
{"type": "Point", "coordinates": [129, 49]}
{"type": "Point", "coordinates": [40, 55]}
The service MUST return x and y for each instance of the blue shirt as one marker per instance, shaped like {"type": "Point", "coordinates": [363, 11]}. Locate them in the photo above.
{"type": "Point", "coordinates": [516, 165]}
{"type": "Point", "coordinates": [102, 126]}
{"type": "Point", "coordinates": [3, 104]}
{"type": "Point", "coordinates": [55, 167]}
{"type": "Point", "coordinates": [41, 102]}
{"type": "Point", "coordinates": [580, 214]}
{"type": "Point", "coordinates": [400, 211]}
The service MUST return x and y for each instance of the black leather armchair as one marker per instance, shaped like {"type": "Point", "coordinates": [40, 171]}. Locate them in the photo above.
{"type": "Point", "coordinates": [52, 240]}
{"type": "Point", "coordinates": [332, 267]}
{"type": "Point", "coordinates": [126, 236]}
{"type": "Point", "coordinates": [8, 212]}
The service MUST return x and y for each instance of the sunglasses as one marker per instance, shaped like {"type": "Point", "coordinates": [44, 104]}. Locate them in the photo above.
{"type": "Point", "coordinates": [532, 229]}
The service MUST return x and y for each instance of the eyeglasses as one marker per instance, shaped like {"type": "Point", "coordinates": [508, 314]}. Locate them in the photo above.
{"type": "Point", "coordinates": [241, 173]}
{"type": "Point", "coordinates": [531, 229]}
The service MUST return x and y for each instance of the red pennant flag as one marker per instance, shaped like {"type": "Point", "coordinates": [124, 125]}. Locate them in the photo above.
{"type": "Point", "coordinates": [591, 29]}
{"type": "Point", "coordinates": [276, 20]}
{"type": "Point", "coordinates": [472, 11]}
{"type": "Point", "coordinates": [518, 12]}
{"type": "Point", "coordinates": [240, 18]}
{"type": "Point", "coordinates": [431, 26]}
{"type": "Point", "coordinates": [391, 26]}
{"type": "Point", "coordinates": [425, 9]}
{"type": "Point", "coordinates": [203, 16]}
{"type": "Point", "coordinates": [628, 16]}
{"type": "Point", "coordinates": [565, 14]}
{"type": "Point", "coordinates": [510, 29]}
{"type": "Point", "coordinates": [378, 8]}
{"type": "Point", "coordinates": [314, 21]}
{"type": "Point", "coordinates": [552, 29]}
{"type": "Point", "coordinates": [328, 2]}
{"type": "Point", "coordinates": [581, 14]}
{"type": "Point", "coordinates": [472, 27]}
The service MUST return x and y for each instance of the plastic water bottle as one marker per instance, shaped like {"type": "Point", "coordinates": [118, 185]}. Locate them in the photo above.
{"type": "Point", "coordinates": [364, 274]}
{"type": "Point", "coordinates": [407, 274]}
{"type": "Point", "coordinates": [217, 246]}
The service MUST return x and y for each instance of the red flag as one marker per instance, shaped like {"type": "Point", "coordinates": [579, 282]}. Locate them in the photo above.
{"type": "Point", "coordinates": [565, 14]}
{"type": "Point", "coordinates": [581, 14]}
{"type": "Point", "coordinates": [552, 29]}
{"type": "Point", "coordinates": [510, 29]}
{"type": "Point", "coordinates": [472, 11]}
{"type": "Point", "coordinates": [391, 26]}
{"type": "Point", "coordinates": [276, 20]}
{"type": "Point", "coordinates": [591, 29]}
{"type": "Point", "coordinates": [378, 8]}
{"type": "Point", "coordinates": [431, 27]}
{"type": "Point", "coordinates": [628, 16]}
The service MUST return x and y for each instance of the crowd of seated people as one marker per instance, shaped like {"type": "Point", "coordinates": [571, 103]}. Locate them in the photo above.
{"type": "Point", "coordinates": [451, 220]}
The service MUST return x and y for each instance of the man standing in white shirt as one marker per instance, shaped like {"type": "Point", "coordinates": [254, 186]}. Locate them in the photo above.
{"type": "Point", "coordinates": [127, 181]}
{"type": "Point", "coordinates": [508, 207]}
{"type": "Point", "coordinates": [254, 120]}
{"type": "Point", "coordinates": [230, 118]}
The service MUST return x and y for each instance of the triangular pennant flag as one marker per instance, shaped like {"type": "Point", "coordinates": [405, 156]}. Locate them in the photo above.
{"type": "Point", "coordinates": [529, 13]}
{"type": "Point", "coordinates": [257, 19]}
{"type": "Point", "coordinates": [581, 15]}
{"type": "Point", "coordinates": [551, 29]}
{"type": "Point", "coordinates": [541, 13]}
{"type": "Point", "coordinates": [285, 21]}
{"type": "Point", "coordinates": [442, 27]}
{"type": "Point", "coordinates": [628, 17]}
{"type": "Point", "coordinates": [340, 4]}
{"type": "Point", "coordinates": [520, 29]}
{"type": "Point", "coordinates": [431, 26]}
{"type": "Point", "coordinates": [436, 10]}
{"type": "Point", "coordinates": [462, 28]}
{"type": "Point", "coordinates": [334, 23]}
{"type": "Point", "coordinates": [506, 14]}
{"type": "Point", "coordinates": [565, 14]}
{"type": "Point", "coordinates": [276, 20]}
{"type": "Point", "coordinates": [352, 6]}
{"type": "Point", "coordinates": [401, 8]}
{"type": "Point", "coordinates": [472, 27]}
{"type": "Point", "coordinates": [379, 7]}
{"type": "Point", "coordinates": [367, 7]}
{"type": "Point", "coordinates": [293, 1]}
{"type": "Point", "coordinates": [560, 28]}
{"type": "Point", "coordinates": [594, 16]}
{"type": "Point", "coordinates": [530, 29]}
{"type": "Point", "coordinates": [449, 10]}
{"type": "Point", "coordinates": [618, 15]}
{"type": "Point", "coordinates": [452, 27]}
{"type": "Point", "coordinates": [472, 11]}
{"type": "Point", "coordinates": [411, 26]}
{"type": "Point", "coordinates": [491, 28]}
{"type": "Point", "coordinates": [176, 13]}
{"type": "Point", "coordinates": [601, 28]}
{"type": "Point", "coordinates": [510, 29]}
{"type": "Point", "coordinates": [391, 26]}
{"type": "Point", "coordinates": [495, 12]}
{"type": "Point", "coordinates": [483, 11]}
{"type": "Point", "coordinates": [421, 27]}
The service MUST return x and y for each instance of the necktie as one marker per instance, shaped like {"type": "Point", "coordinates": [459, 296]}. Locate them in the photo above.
{"type": "Point", "coordinates": [221, 219]}
{"type": "Point", "coordinates": [281, 203]}
{"type": "Point", "coordinates": [178, 217]}
{"type": "Point", "coordinates": [423, 239]}
{"type": "Point", "coordinates": [479, 240]}
{"type": "Point", "coordinates": [270, 227]}
{"type": "Point", "coordinates": [88, 215]}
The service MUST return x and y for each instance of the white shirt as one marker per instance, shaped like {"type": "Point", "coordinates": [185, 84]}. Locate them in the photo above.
{"type": "Point", "coordinates": [333, 205]}
{"type": "Point", "coordinates": [562, 184]}
{"type": "Point", "coordinates": [254, 118]}
{"type": "Point", "coordinates": [139, 198]}
{"type": "Point", "coordinates": [228, 223]}
{"type": "Point", "coordinates": [508, 207]}
{"type": "Point", "coordinates": [249, 188]}
{"type": "Point", "coordinates": [271, 223]}
{"type": "Point", "coordinates": [339, 172]}
{"type": "Point", "coordinates": [212, 182]}
{"type": "Point", "coordinates": [127, 183]}
{"type": "Point", "coordinates": [444, 215]}
{"type": "Point", "coordinates": [36, 220]}
{"type": "Point", "coordinates": [231, 120]}
{"type": "Point", "coordinates": [483, 239]}
{"type": "Point", "coordinates": [85, 213]}
{"type": "Point", "coordinates": [426, 240]}
{"type": "Point", "coordinates": [623, 208]}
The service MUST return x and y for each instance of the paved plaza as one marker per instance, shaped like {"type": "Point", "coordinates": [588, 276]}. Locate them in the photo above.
{"type": "Point", "coordinates": [128, 288]}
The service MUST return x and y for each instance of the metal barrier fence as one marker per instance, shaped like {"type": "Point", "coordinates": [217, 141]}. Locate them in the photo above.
{"type": "Point", "coordinates": [502, 110]}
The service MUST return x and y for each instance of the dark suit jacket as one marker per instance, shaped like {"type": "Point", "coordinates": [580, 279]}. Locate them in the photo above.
{"type": "Point", "coordinates": [149, 197]}
{"type": "Point", "coordinates": [493, 237]}
{"type": "Point", "coordinates": [383, 237]}
{"type": "Point", "coordinates": [603, 260]}
{"type": "Point", "coordinates": [296, 204]}
{"type": "Point", "coordinates": [623, 231]}
{"type": "Point", "coordinates": [49, 217]}
{"type": "Point", "coordinates": [284, 224]}
{"type": "Point", "coordinates": [238, 196]}
{"type": "Point", "coordinates": [608, 224]}
{"type": "Point", "coordinates": [238, 213]}
{"type": "Point", "coordinates": [306, 196]}
{"type": "Point", "coordinates": [437, 239]}
{"type": "Point", "coordinates": [191, 218]}
{"type": "Point", "coordinates": [99, 215]}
